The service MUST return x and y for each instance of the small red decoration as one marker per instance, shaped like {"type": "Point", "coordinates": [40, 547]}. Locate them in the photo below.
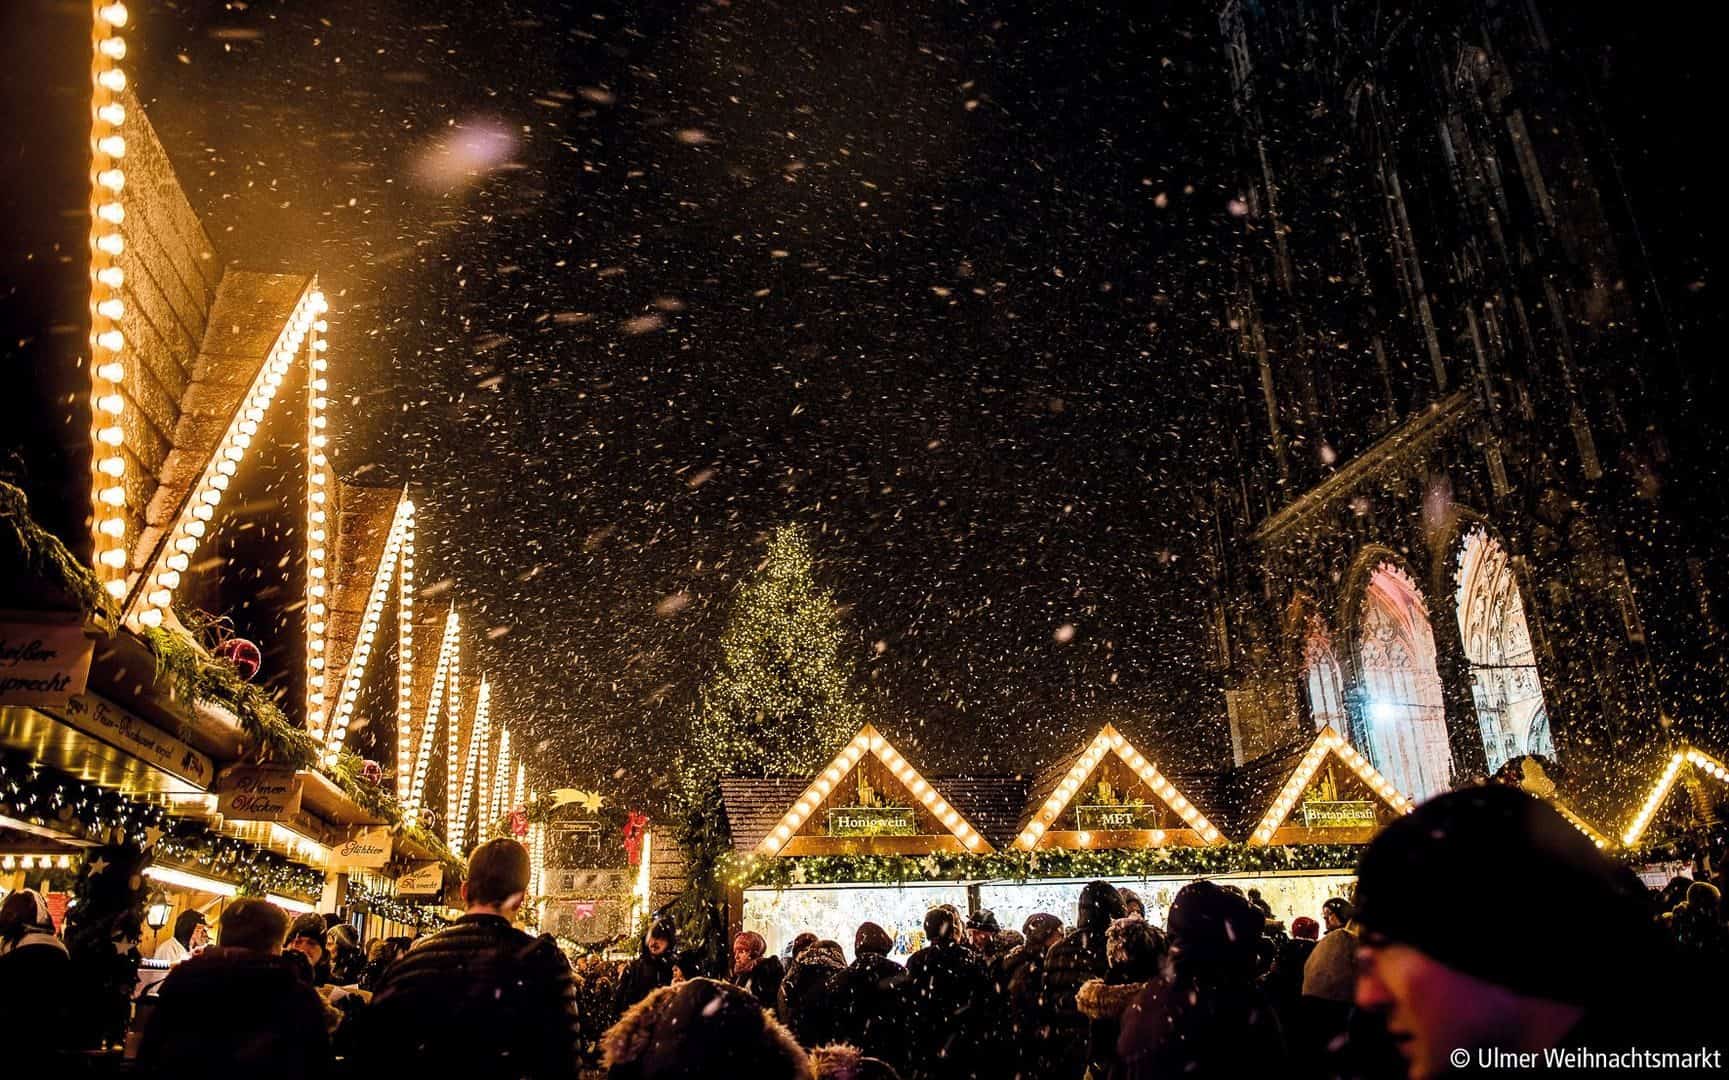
{"type": "Point", "coordinates": [519, 822]}
{"type": "Point", "coordinates": [634, 825]}
{"type": "Point", "coordinates": [372, 772]}
{"type": "Point", "coordinates": [243, 654]}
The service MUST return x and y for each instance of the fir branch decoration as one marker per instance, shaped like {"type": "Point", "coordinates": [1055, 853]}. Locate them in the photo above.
{"type": "Point", "coordinates": [29, 553]}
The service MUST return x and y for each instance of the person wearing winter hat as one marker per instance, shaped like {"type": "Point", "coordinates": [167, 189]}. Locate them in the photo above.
{"type": "Point", "coordinates": [982, 930]}
{"type": "Point", "coordinates": [949, 992]}
{"type": "Point", "coordinates": [1135, 949]}
{"type": "Point", "coordinates": [702, 1028]}
{"type": "Point", "coordinates": [754, 970]}
{"type": "Point", "coordinates": [1205, 1017]}
{"type": "Point", "coordinates": [36, 981]}
{"type": "Point", "coordinates": [1069, 963]}
{"type": "Point", "coordinates": [651, 969]}
{"type": "Point", "coordinates": [1018, 977]}
{"type": "Point", "coordinates": [807, 998]}
{"type": "Point", "coordinates": [869, 998]}
{"type": "Point", "coordinates": [1591, 972]}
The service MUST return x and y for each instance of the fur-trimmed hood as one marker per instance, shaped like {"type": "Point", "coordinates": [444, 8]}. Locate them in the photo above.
{"type": "Point", "coordinates": [702, 1027]}
{"type": "Point", "coordinates": [1099, 1000]}
{"type": "Point", "coordinates": [843, 1061]}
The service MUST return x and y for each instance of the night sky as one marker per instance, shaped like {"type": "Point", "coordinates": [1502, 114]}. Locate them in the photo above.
{"type": "Point", "coordinates": [621, 288]}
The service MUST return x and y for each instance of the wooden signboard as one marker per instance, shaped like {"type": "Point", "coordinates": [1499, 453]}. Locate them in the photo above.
{"type": "Point", "coordinates": [1097, 818]}
{"type": "Point", "coordinates": [43, 663]}
{"type": "Point", "coordinates": [426, 879]}
{"type": "Point", "coordinates": [1349, 814]}
{"type": "Point", "coordinates": [872, 821]}
{"type": "Point", "coordinates": [370, 849]}
{"type": "Point", "coordinates": [102, 719]}
{"type": "Point", "coordinates": [255, 794]}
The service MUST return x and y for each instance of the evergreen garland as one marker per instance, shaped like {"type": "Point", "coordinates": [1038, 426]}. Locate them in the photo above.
{"type": "Point", "coordinates": [31, 554]}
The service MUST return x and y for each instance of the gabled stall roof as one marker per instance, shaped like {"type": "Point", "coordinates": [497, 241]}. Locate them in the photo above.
{"type": "Point", "coordinates": [871, 742]}
{"type": "Point", "coordinates": [1328, 742]}
{"type": "Point", "coordinates": [1057, 786]}
{"type": "Point", "coordinates": [1685, 758]}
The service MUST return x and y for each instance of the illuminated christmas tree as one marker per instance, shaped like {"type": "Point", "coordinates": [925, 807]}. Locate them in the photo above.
{"type": "Point", "coordinates": [780, 702]}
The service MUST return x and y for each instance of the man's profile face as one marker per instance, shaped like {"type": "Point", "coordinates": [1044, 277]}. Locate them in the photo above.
{"type": "Point", "coordinates": [1330, 919]}
{"type": "Point", "coordinates": [200, 936]}
{"type": "Point", "coordinates": [308, 948]}
{"type": "Point", "coordinates": [981, 939]}
{"type": "Point", "coordinates": [1431, 1009]}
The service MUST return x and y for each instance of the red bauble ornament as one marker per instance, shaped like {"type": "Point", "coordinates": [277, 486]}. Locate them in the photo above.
{"type": "Point", "coordinates": [519, 822]}
{"type": "Point", "coordinates": [372, 772]}
{"type": "Point", "coordinates": [242, 654]}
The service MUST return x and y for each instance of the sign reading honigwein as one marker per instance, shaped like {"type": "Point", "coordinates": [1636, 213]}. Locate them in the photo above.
{"type": "Point", "coordinates": [1097, 818]}
{"type": "Point", "coordinates": [1355, 814]}
{"type": "Point", "coordinates": [872, 821]}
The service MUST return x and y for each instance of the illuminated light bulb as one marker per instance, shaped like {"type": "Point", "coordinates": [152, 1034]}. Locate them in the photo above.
{"type": "Point", "coordinates": [112, 212]}
{"type": "Point", "coordinates": [116, 588]}
{"type": "Point", "coordinates": [112, 371]}
{"type": "Point", "coordinates": [113, 114]}
{"type": "Point", "coordinates": [112, 145]}
{"type": "Point", "coordinates": [112, 179]}
{"type": "Point", "coordinates": [320, 345]}
{"type": "Point", "coordinates": [211, 496]}
{"type": "Point", "coordinates": [113, 79]}
{"type": "Point", "coordinates": [112, 340]}
{"type": "Point", "coordinates": [151, 617]}
{"type": "Point", "coordinates": [168, 579]}
{"type": "Point", "coordinates": [233, 454]}
{"type": "Point", "coordinates": [225, 467]}
{"type": "Point", "coordinates": [202, 511]}
{"type": "Point", "coordinates": [113, 14]}
{"type": "Point", "coordinates": [113, 47]}
{"type": "Point", "coordinates": [111, 276]}
{"type": "Point", "coordinates": [177, 562]}
{"type": "Point", "coordinates": [114, 558]}
{"type": "Point", "coordinates": [111, 243]}
{"type": "Point", "coordinates": [161, 598]}
{"type": "Point", "coordinates": [115, 527]}
{"type": "Point", "coordinates": [219, 481]}
{"type": "Point", "coordinates": [113, 496]}
{"type": "Point", "coordinates": [113, 466]}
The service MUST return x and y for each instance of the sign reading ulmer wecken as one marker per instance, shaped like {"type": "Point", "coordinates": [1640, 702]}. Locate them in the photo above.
{"type": "Point", "coordinates": [43, 663]}
{"type": "Point", "coordinates": [1095, 818]}
{"type": "Point", "coordinates": [250, 794]}
{"type": "Point", "coordinates": [1352, 814]}
{"type": "Point", "coordinates": [872, 821]}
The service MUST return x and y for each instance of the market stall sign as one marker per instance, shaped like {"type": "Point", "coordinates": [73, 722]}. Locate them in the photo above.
{"type": "Point", "coordinates": [872, 821]}
{"type": "Point", "coordinates": [589, 922]}
{"type": "Point", "coordinates": [107, 721]}
{"type": "Point", "coordinates": [368, 850]}
{"type": "Point", "coordinates": [43, 663]}
{"type": "Point", "coordinates": [1351, 814]}
{"type": "Point", "coordinates": [252, 794]}
{"type": "Point", "coordinates": [427, 879]}
{"type": "Point", "coordinates": [1098, 818]}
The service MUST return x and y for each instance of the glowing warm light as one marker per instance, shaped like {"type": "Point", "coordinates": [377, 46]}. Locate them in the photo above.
{"type": "Point", "coordinates": [1327, 741]}
{"type": "Point", "coordinates": [1665, 783]}
{"type": "Point", "coordinates": [869, 739]}
{"type": "Point", "coordinates": [1111, 741]}
{"type": "Point", "coordinates": [401, 527]}
{"type": "Point", "coordinates": [476, 750]}
{"type": "Point", "coordinates": [448, 650]}
{"type": "Point", "coordinates": [184, 880]}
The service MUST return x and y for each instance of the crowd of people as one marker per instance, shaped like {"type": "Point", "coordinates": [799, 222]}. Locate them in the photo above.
{"type": "Point", "coordinates": [1483, 921]}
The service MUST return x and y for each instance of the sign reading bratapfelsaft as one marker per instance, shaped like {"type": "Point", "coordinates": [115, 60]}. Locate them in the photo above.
{"type": "Point", "coordinates": [250, 794]}
{"type": "Point", "coordinates": [369, 850]}
{"type": "Point", "coordinates": [43, 663]}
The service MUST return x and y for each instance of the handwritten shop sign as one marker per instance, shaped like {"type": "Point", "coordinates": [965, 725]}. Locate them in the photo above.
{"type": "Point", "coordinates": [110, 723]}
{"type": "Point", "coordinates": [1338, 815]}
{"type": "Point", "coordinates": [369, 850]}
{"type": "Point", "coordinates": [426, 879]}
{"type": "Point", "coordinates": [43, 663]}
{"type": "Point", "coordinates": [248, 794]}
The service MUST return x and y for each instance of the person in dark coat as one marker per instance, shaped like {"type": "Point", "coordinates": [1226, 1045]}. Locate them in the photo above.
{"type": "Point", "coordinates": [1018, 979]}
{"type": "Point", "coordinates": [1069, 963]}
{"type": "Point", "coordinates": [1696, 924]}
{"type": "Point", "coordinates": [755, 972]}
{"type": "Point", "coordinates": [238, 1009]}
{"type": "Point", "coordinates": [651, 970]}
{"type": "Point", "coordinates": [870, 999]}
{"type": "Point", "coordinates": [1135, 950]}
{"type": "Point", "coordinates": [702, 1028]}
{"type": "Point", "coordinates": [1284, 983]}
{"type": "Point", "coordinates": [807, 1000]}
{"type": "Point", "coordinates": [307, 937]}
{"type": "Point", "coordinates": [36, 990]}
{"type": "Point", "coordinates": [480, 997]}
{"type": "Point", "coordinates": [950, 992]}
{"type": "Point", "coordinates": [1206, 1018]}
{"type": "Point", "coordinates": [1591, 973]}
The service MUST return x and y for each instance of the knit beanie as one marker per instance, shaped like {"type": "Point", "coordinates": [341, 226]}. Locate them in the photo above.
{"type": "Point", "coordinates": [1450, 879]}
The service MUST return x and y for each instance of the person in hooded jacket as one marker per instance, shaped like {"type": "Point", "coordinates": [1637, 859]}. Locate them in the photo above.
{"type": "Point", "coordinates": [807, 997]}
{"type": "Point", "coordinates": [1205, 1017]}
{"type": "Point", "coordinates": [870, 999]}
{"type": "Point", "coordinates": [702, 1028]}
{"type": "Point", "coordinates": [1135, 950]}
{"type": "Point", "coordinates": [480, 997]}
{"type": "Point", "coordinates": [35, 981]}
{"type": "Point", "coordinates": [651, 970]}
{"type": "Point", "coordinates": [1069, 963]}
{"type": "Point", "coordinates": [238, 1009]}
{"type": "Point", "coordinates": [950, 995]}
